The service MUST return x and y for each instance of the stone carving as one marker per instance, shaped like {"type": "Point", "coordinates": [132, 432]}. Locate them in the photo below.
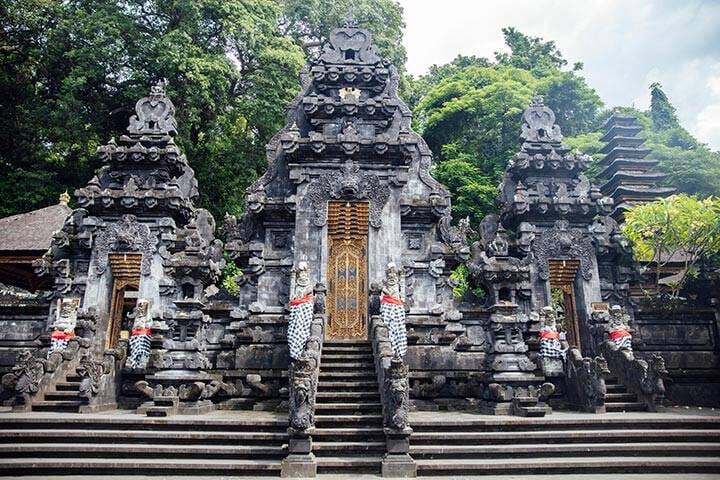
{"type": "Point", "coordinates": [397, 396]}
{"type": "Point", "coordinates": [349, 45]}
{"type": "Point", "coordinates": [91, 372]}
{"type": "Point", "coordinates": [585, 381]}
{"type": "Point", "coordinates": [552, 352]}
{"type": "Point", "coordinates": [301, 310]}
{"type": "Point", "coordinates": [64, 325]}
{"type": "Point", "coordinates": [455, 237]}
{"type": "Point", "coordinates": [539, 123]}
{"type": "Point", "coordinates": [563, 242]}
{"type": "Point", "coordinates": [392, 309]}
{"type": "Point", "coordinates": [350, 184]}
{"type": "Point", "coordinates": [127, 235]}
{"type": "Point", "coordinates": [303, 385]}
{"type": "Point", "coordinates": [154, 114]}
{"type": "Point", "coordinates": [619, 328]}
{"type": "Point", "coordinates": [140, 334]}
{"type": "Point", "coordinates": [25, 376]}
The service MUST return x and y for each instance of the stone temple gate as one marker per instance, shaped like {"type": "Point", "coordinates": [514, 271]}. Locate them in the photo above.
{"type": "Point", "coordinates": [345, 312]}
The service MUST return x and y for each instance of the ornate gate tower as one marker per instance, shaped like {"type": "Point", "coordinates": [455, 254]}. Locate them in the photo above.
{"type": "Point", "coordinates": [348, 191]}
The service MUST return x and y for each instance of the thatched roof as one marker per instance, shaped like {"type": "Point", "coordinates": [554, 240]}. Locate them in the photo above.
{"type": "Point", "coordinates": [32, 231]}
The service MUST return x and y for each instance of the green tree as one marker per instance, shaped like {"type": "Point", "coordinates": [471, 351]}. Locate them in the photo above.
{"type": "Point", "coordinates": [529, 53]}
{"type": "Point", "coordinates": [662, 111]}
{"type": "Point", "coordinates": [678, 229]}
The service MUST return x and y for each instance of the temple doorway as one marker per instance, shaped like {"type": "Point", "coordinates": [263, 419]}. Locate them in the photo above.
{"type": "Point", "coordinates": [347, 271]}
{"type": "Point", "coordinates": [563, 274]}
{"type": "Point", "coordinates": [126, 282]}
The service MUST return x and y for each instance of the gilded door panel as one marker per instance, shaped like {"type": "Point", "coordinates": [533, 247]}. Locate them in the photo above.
{"type": "Point", "coordinates": [347, 270]}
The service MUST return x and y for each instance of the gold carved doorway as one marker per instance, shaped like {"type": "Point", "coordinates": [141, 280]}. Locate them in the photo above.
{"type": "Point", "coordinates": [347, 270]}
{"type": "Point", "coordinates": [562, 286]}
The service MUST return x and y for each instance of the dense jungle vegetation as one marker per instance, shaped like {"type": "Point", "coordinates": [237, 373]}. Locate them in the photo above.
{"type": "Point", "coordinates": [71, 71]}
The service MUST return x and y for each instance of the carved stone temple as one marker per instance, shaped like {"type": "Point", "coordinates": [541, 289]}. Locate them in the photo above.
{"type": "Point", "coordinates": [345, 331]}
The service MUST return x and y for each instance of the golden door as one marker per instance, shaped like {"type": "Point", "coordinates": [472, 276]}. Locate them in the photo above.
{"type": "Point", "coordinates": [347, 270]}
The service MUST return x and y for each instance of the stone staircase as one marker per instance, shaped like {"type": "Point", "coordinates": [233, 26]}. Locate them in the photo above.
{"type": "Point", "coordinates": [348, 437]}
{"type": "Point", "coordinates": [618, 399]}
{"type": "Point", "coordinates": [249, 445]}
{"type": "Point", "coordinates": [583, 444]}
{"type": "Point", "coordinates": [64, 397]}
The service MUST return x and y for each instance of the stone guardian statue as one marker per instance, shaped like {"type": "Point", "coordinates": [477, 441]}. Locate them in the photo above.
{"type": "Point", "coordinates": [301, 310]}
{"type": "Point", "coordinates": [64, 325]}
{"type": "Point", "coordinates": [392, 308]}
{"type": "Point", "coordinates": [140, 335]}
{"type": "Point", "coordinates": [619, 327]}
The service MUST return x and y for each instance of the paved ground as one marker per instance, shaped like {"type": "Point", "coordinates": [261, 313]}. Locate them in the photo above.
{"type": "Point", "coordinates": [699, 476]}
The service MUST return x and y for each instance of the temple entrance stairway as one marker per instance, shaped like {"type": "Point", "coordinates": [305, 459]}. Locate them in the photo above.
{"type": "Point", "coordinates": [64, 396]}
{"type": "Point", "coordinates": [618, 399]}
{"type": "Point", "coordinates": [471, 445]}
{"type": "Point", "coordinates": [348, 435]}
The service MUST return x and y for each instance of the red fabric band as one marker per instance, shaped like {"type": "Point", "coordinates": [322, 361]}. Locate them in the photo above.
{"type": "Point", "coordinates": [391, 300]}
{"type": "Point", "coordinates": [616, 334]}
{"type": "Point", "coordinates": [549, 335]}
{"type": "Point", "coordinates": [299, 301]}
{"type": "Point", "coordinates": [140, 331]}
{"type": "Point", "coordinates": [58, 335]}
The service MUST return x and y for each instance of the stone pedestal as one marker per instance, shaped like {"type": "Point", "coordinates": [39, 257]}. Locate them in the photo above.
{"type": "Point", "coordinates": [397, 462]}
{"type": "Point", "coordinates": [300, 462]}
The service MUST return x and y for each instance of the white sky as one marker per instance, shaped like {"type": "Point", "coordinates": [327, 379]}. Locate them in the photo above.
{"type": "Point", "coordinates": [625, 45]}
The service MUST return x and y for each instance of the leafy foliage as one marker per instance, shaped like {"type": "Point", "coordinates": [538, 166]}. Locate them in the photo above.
{"type": "Point", "coordinates": [230, 274]}
{"type": "Point", "coordinates": [679, 228]}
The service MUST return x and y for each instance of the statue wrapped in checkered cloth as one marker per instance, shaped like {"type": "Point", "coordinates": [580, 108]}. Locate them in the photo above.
{"type": "Point", "coordinates": [301, 310]}
{"type": "Point", "coordinates": [392, 308]}
{"type": "Point", "coordinates": [140, 334]}
{"type": "Point", "coordinates": [64, 325]}
{"type": "Point", "coordinates": [550, 346]}
{"type": "Point", "coordinates": [619, 328]}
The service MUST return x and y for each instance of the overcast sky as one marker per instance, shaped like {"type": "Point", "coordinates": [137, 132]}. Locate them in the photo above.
{"type": "Point", "coordinates": [625, 45]}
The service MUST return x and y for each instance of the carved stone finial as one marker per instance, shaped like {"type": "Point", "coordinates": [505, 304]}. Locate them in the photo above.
{"type": "Point", "coordinates": [154, 114]}
{"type": "Point", "coordinates": [64, 198]}
{"type": "Point", "coordinates": [539, 123]}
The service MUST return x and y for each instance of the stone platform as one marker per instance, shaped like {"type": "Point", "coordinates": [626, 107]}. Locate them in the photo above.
{"type": "Point", "coordinates": [445, 444]}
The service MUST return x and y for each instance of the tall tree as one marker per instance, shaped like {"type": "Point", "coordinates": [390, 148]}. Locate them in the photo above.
{"type": "Point", "coordinates": [662, 111]}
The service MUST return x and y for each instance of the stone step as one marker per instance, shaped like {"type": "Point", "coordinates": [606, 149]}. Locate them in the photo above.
{"type": "Point", "coordinates": [73, 378]}
{"type": "Point", "coordinates": [615, 388]}
{"type": "Point", "coordinates": [553, 465]}
{"type": "Point", "coordinates": [325, 367]}
{"type": "Point", "coordinates": [145, 466]}
{"type": "Point", "coordinates": [141, 436]}
{"type": "Point", "coordinates": [57, 405]}
{"type": "Point", "coordinates": [129, 450]}
{"type": "Point", "coordinates": [348, 464]}
{"type": "Point", "coordinates": [348, 434]}
{"type": "Point", "coordinates": [75, 386]}
{"type": "Point", "coordinates": [620, 397]}
{"type": "Point", "coordinates": [351, 376]}
{"type": "Point", "coordinates": [565, 450]}
{"type": "Point", "coordinates": [333, 448]}
{"type": "Point", "coordinates": [367, 395]}
{"type": "Point", "coordinates": [625, 407]}
{"type": "Point", "coordinates": [565, 436]}
{"type": "Point", "coordinates": [347, 357]}
{"type": "Point", "coordinates": [348, 408]}
{"type": "Point", "coordinates": [348, 386]}
{"type": "Point", "coordinates": [62, 395]}
{"type": "Point", "coordinates": [343, 420]}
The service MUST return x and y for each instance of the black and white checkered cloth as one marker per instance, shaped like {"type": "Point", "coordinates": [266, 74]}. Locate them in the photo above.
{"type": "Point", "coordinates": [551, 348]}
{"type": "Point", "coordinates": [394, 317]}
{"type": "Point", "coordinates": [299, 327]}
{"type": "Point", "coordinates": [624, 343]}
{"type": "Point", "coordinates": [139, 351]}
{"type": "Point", "coordinates": [57, 345]}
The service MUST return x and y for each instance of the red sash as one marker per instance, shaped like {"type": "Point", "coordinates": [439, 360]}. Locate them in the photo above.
{"type": "Point", "coordinates": [58, 335]}
{"type": "Point", "coordinates": [140, 331]}
{"type": "Point", "coordinates": [617, 334]}
{"type": "Point", "coordinates": [299, 301]}
{"type": "Point", "coordinates": [548, 335]}
{"type": "Point", "coordinates": [391, 300]}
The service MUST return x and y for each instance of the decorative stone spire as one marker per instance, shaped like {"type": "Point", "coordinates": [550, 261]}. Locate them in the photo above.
{"type": "Point", "coordinates": [155, 114]}
{"type": "Point", "coordinates": [539, 123]}
{"type": "Point", "coordinates": [64, 198]}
